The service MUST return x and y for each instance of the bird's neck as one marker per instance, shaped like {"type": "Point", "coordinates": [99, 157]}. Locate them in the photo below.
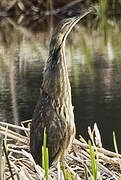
{"type": "Point", "coordinates": [56, 81]}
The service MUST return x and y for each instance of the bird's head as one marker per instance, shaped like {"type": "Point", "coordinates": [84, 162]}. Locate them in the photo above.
{"type": "Point", "coordinates": [62, 31]}
{"type": "Point", "coordinates": [64, 28]}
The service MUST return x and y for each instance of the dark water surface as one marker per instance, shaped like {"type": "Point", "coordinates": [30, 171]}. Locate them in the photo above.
{"type": "Point", "coordinates": [94, 65]}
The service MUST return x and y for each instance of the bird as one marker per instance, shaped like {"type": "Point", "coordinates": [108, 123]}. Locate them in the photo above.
{"type": "Point", "coordinates": [54, 109]}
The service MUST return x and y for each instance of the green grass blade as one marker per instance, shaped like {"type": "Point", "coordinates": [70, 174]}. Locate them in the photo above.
{"type": "Point", "coordinates": [93, 161]}
{"type": "Point", "coordinates": [116, 149]}
{"type": "Point", "coordinates": [45, 156]}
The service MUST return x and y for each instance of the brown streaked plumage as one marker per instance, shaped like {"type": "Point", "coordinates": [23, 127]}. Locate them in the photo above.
{"type": "Point", "coordinates": [54, 109]}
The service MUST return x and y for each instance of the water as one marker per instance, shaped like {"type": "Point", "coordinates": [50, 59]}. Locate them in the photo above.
{"type": "Point", "coordinates": [94, 65]}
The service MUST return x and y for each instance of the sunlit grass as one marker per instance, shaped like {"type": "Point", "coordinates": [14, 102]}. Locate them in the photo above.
{"type": "Point", "coordinates": [94, 162]}
{"type": "Point", "coordinates": [45, 156]}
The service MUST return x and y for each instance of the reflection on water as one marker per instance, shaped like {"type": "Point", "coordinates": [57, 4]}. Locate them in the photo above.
{"type": "Point", "coordinates": [94, 66]}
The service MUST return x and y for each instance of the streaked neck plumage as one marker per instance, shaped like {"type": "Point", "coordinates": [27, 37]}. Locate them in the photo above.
{"type": "Point", "coordinates": [56, 81]}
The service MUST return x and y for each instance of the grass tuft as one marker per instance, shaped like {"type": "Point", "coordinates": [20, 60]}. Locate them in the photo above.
{"type": "Point", "coordinates": [45, 156]}
{"type": "Point", "coordinates": [94, 163]}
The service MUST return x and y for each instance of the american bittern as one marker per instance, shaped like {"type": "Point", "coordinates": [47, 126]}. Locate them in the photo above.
{"type": "Point", "coordinates": [54, 109]}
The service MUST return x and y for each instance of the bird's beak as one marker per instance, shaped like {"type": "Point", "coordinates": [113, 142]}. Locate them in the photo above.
{"type": "Point", "coordinates": [74, 20]}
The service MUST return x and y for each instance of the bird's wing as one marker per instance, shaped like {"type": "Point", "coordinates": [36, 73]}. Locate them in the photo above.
{"type": "Point", "coordinates": [46, 115]}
